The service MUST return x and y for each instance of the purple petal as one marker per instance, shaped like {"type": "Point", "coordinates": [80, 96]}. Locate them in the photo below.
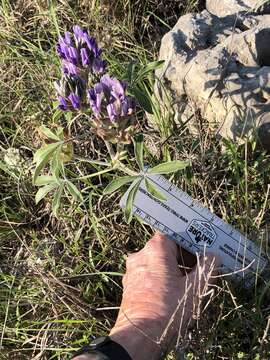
{"type": "Point", "coordinates": [61, 50]}
{"type": "Point", "coordinates": [78, 32]}
{"type": "Point", "coordinates": [114, 86]}
{"type": "Point", "coordinates": [73, 55]}
{"type": "Point", "coordinates": [67, 38]}
{"type": "Point", "coordinates": [75, 100]}
{"type": "Point", "coordinates": [84, 57]}
{"type": "Point", "coordinates": [69, 68]}
{"type": "Point", "coordinates": [98, 66]}
{"type": "Point", "coordinates": [118, 92]}
{"type": "Point", "coordinates": [63, 104]}
{"type": "Point", "coordinates": [92, 45]}
{"type": "Point", "coordinates": [106, 80]}
{"type": "Point", "coordinates": [112, 112]}
{"type": "Point", "coordinates": [95, 99]}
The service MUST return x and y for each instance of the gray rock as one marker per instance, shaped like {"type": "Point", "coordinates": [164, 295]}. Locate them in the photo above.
{"type": "Point", "coordinates": [223, 8]}
{"type": "Point", "coordinates": [221, 68]}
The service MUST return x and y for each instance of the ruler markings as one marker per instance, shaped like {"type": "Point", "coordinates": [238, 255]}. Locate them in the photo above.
{"type": "Point", "coordinates": [157, 222]}
{"type": "Point", "coordinates": [195, 228]}
{"type": "Point", "coordinates": [216, 217]}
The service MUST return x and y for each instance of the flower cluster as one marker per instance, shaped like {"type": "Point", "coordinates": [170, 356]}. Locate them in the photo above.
{"type": "Point", "coordinates": [108, 99]}
{"type": "Point", "coordinates": [78, 52]}
{"type": "Point", "coordinates": [85, 87]}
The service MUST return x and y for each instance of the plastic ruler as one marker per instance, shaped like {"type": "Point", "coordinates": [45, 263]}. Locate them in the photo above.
{"type": "Point", "coordinates": [198, 230]}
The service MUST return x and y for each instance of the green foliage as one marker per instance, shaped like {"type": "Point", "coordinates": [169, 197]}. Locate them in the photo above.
{"type": "Point", "coordinates": [43, 156]}
{"type": "Point", "coordinates": [138, 148]}
{"type": "Point", "coordinates": [42, 192]}
{"type": "Point", "coordinates": [118, 183]}
{"type": "Point", "coordinates": [140, 79]}
{"type": "Point", "coordinates": [168, 167]}
{"type": "Point", "coordinates": [154, 191]}
{"type": "Point", "coordinates": [49, 134]}
{"type": "Point", "coordinates": [130, 199]}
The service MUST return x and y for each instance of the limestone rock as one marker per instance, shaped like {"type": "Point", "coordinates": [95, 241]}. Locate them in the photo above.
{"type": "Point", "coordinates": [221, 68]}
{"type": "Point", "coordinates": [229, 7]}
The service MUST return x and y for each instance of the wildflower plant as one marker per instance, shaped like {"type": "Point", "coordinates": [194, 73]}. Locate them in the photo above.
{"type": "Point", "coordinates": [109, 105]}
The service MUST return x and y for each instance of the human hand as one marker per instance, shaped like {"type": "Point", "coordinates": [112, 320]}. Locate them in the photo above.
{"type": "Point", "coordinates": [160, 298]}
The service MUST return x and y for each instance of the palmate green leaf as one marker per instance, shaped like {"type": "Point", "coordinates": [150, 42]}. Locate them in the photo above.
{"type": "Point", "coordinates": [154, 191]}
{"type": "Point", "coordinates": [47, 132]}
{"type": "Point", "coordinates": [142, 98]}
{"type": "Point", "coordinates": [74, 191]}
{"type": "Point", "coordinates": [42, 192]}
{"type": "Point", "coordinates": [118, 183]}
{"type": "Point", "coordinates": [130, 199]}
{"type": "Point", "coordinates": [56, 200]}
{"type": "Point", "coordinates": [138, 148]}
{"type": "Point", "coordinates": [169, 167]}
{"type": "Point", "coordinates": [42, 157]}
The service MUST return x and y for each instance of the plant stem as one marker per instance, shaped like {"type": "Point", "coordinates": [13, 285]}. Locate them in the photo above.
{"type": "Point", "coordinates": [95, 174]}
{"type": "Point", "coordinates": [122, 167]}
{"type": "Point", "coordinates": [117, 164]}
{"type": "Point", "coordinates": [110, 150]}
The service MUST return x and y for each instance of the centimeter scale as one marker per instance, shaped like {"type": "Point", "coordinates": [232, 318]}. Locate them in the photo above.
{"type": "Point", "coordinates": [197, 230]}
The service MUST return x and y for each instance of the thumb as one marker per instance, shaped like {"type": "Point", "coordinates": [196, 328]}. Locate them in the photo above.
{"type": "Point", "coordinates": [162, 246]}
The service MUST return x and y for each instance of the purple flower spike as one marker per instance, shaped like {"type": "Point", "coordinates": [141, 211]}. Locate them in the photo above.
{"type": "Point", "coordinates": [75, 100]}
{"type": "Point", "coordinates": [81, 51]}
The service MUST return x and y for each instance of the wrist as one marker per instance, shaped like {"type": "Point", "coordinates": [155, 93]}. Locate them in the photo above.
{"type": "Point", "coordinates": [139, 345]}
